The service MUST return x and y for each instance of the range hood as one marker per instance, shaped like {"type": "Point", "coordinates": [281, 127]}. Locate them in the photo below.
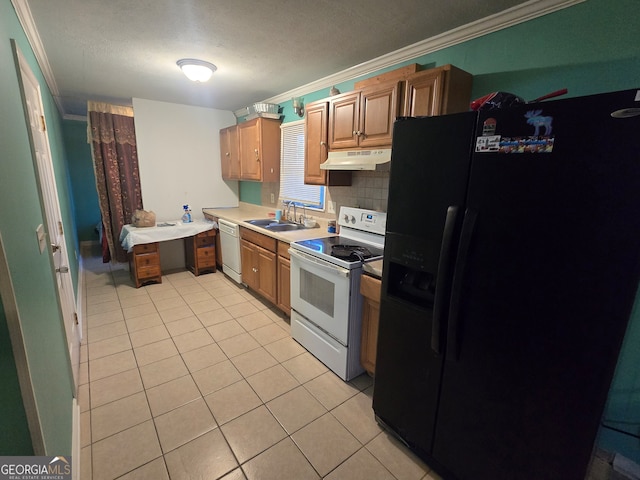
{"type": "Point", "coordinates": [377, 159]}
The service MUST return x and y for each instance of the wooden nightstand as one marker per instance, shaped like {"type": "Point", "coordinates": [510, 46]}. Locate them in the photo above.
{"type": "Point", "coordinates": [200, 252]}
{"type": "Point", "coordinates": [144, 264]}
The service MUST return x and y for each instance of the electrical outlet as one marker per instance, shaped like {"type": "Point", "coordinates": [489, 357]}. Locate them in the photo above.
{"type": "Point", "coordinates": [273, 198]}
{"type": "Point", "coordinates": [331, 207]}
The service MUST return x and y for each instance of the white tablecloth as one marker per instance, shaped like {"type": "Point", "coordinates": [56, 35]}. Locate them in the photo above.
{"type": "Point", "coordinates": [131, 236]}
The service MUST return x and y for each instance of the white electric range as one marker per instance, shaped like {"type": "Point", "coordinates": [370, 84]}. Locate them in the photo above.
{"type": "Point", "coordinates": [326, 305]}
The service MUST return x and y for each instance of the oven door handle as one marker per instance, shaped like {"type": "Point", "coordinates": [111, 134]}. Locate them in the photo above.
{"type": "Point", "coordinates": [326, 266]}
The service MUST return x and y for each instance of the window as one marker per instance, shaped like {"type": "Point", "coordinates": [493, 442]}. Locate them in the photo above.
{"type": "Point", "coordinates": [292, 186]}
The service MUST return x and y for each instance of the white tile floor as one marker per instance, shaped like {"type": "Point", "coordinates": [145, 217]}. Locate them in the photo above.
{"type": "Point", "coordinates": [196, 378]}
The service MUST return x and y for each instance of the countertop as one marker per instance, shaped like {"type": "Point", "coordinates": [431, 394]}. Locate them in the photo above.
{"type": "Point", "coordinates": [373, 268]}
{"type": "Point", "coordinates": [249, 211]}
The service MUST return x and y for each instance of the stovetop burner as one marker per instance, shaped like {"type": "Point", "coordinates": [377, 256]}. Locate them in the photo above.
{"type": "Point", "coordinates": [351, 253]}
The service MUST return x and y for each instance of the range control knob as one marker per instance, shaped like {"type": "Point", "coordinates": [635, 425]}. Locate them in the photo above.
{"type": "Point", "coordinates": [353, 219]}
{"type": "Point", "coordinates": [346, 218]}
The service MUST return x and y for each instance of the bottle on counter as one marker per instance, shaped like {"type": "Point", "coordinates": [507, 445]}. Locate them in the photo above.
{"type": "Point", "coordinates": [186, 217]}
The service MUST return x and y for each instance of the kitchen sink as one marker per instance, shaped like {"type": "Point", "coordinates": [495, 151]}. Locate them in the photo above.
{"type": "Point", "coordinates": [274, 225]}
{"type": "Point", "coordinates": [284, 227]}
{"type": "Point", "coordinates": [261, 222]}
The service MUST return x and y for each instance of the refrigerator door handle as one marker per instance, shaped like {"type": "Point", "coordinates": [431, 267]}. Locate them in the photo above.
{"type": "Point", "coordinates": [444, 268]}
{"type": "Point", "coordinates": [468, 226]}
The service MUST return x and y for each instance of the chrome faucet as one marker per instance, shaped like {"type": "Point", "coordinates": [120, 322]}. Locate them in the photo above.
{"type": "Point", "coordinates": [295, 218]}
{"type": "Point", "coordinates": [288, 204]}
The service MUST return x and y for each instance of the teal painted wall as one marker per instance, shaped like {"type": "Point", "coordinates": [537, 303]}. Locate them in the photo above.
{"type": "Point", "coordinates": [15, 438]}
{"type": "Point", "coordinates": [20, 214]}
{"type": "Point", "coordinates": [83, 183]}
{"type": "Point", "coordinates": [251, 192]}
{"type": "Point", "coordinates": [623, 405]}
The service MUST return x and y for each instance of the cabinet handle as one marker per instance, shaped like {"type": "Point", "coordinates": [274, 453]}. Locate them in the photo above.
{"type": "Point", "coordinates": [227, 154]}
{"type": "Point", "coordinates": [355, 132]}
{"type": "Point", "coordinates": [323, 143]}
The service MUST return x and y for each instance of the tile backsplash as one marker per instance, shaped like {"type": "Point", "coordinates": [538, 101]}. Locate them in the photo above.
{"type": "Point", "coordinates": [368, 190]}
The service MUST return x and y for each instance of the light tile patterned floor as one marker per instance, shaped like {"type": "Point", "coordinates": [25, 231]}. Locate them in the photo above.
{"type": "Point", "coordinates": [196, 378]}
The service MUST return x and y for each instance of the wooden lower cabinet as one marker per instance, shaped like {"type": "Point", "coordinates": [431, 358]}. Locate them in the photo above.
{"type": "Point", "coordinates": [200, 252]}
{"type": "Point", "coordinates": [370, 288]}
{"type": "Point", "coordinates": [259, 263]}
{"type": "Point", "coordinates": [144, 264]}
{"type": "Point", "coordinates": [284, 278]}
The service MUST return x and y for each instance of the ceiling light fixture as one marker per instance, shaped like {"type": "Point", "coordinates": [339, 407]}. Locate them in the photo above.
{"type": "Point", "coordinates": [196, 70]}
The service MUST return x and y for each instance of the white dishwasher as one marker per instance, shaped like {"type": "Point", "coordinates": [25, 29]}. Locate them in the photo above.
{"type": "Point", "coordinates": [230, 245]}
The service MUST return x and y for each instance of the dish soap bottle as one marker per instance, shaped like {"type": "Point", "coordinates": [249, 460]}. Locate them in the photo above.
{"type": "Point", "coordinates": [186, 218]}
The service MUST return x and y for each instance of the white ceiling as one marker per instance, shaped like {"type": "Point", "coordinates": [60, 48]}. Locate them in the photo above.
{"type": "Point", "coordinates": [120, 49]}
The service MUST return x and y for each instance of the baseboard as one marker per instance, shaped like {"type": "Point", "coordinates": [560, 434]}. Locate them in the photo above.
{"type": "Point", "coordinates": [75, 441]}
{"type": "Point", "coordinates": [80, 300]}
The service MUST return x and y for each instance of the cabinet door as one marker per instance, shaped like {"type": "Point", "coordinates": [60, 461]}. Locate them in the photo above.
{"type": "Point", "coordinates": [370, 288]}
{"type": "Point", "coordinates": [249, 265]}
{"type": "Point", "coordinates": [229, 153]}
{"type": "Point", "coordinates": [269, 149]}
{"type": "Point", "coordinates": [249, 140]}
{"type": "Point", "coordinates": [343, 120]}
{"type": "Point", "coordinates": [423, 93]}
{"type": "Point", "coordinates": [266, 274]}
{"type": "Point", "coordinates": [379, 107]}
{"type": "Point", "coordinates": [284, 285]}
{"type": "Point", "coordinates": [369, 340]}
{"type": "Point", "coordinates": [316, 149]}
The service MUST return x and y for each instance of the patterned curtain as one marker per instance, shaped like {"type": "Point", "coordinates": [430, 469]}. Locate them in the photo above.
{"type": "Point", "coordinates": [112, 137]}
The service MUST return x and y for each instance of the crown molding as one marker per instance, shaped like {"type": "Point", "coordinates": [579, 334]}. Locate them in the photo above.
{"type": "Point", "coordinates": [512, 16]}
{"type": "Point", "coordinates": [28, 25]}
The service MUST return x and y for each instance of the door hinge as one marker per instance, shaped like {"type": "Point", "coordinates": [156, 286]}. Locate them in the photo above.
{"type": "Point", "coordinates": [75, 318]}
{"type": "Point", "coordinates": [60, 229]}
{"type": "Point", "coordinates": [44, 125]}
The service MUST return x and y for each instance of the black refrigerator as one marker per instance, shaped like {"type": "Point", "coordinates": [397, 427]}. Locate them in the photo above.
{"type": "Point", "coordinates": [511, 265]}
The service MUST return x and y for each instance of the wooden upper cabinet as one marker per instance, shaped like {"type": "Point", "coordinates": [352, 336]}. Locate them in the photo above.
{"type": "Point", "coordinates": [229, 153]}
{"type": "Point", "coordinates": [364, 118]}
{"type": "Point", "coordinates": [379, 107]}
{"type": "Point", "coordinates": [259, 141]}
{"type": "Point", "coordinates": [316, 148]}
{"type": "Point", "coordinates": [437, 91]}
{"type": "Point", "coordinates": [344, 116]}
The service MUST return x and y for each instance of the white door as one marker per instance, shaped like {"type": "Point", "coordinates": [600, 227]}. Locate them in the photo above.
{"type": "Point", "coordinates": [55, 227]}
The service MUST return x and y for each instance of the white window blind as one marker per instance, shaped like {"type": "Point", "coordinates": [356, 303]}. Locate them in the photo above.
{"type": "Point", "coordinates": [292, 186]}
